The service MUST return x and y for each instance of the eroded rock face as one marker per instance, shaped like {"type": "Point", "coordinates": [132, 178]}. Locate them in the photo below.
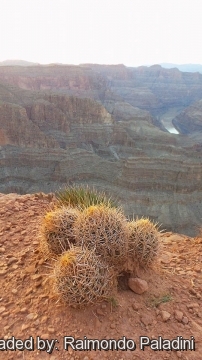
{"type": "Point", "coordinates": [17, 129]}
{"type": "Point", "coordinates": [68, 79]}
{"type": "Point", "coordinates": [190, 120]}
{"type": "Point", "coordinates": [153, 88]}
{"type": "Point", "coordinates": [49, 139]}
{"type": "Point", "coordinates": [48, 120]}
{"type": "Point", "coordinates": [81, 111]}
{"type": "Point", "coordinates": [121, 159]}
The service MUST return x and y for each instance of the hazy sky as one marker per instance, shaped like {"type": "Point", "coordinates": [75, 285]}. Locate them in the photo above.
{"type": "Point", "coordinates": [132, 32]}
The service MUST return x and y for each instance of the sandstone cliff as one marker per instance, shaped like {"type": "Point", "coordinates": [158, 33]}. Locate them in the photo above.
{"type": "Point", "coordinates": [17, 129]}
{"type": "Point", "coordinates": [190, 120]}
{"type": "Point", "coordinates": [67, 79]}
{"type": "Point", "coordinates": [128, 160]}
{"type": "Point", "coordinates": [154, 88]}
{"type": "Point", "coordinates": [40, 119]}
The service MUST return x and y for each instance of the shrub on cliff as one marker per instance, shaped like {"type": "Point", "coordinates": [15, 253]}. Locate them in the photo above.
{"type": "Point", "coordinates": [82, 197]}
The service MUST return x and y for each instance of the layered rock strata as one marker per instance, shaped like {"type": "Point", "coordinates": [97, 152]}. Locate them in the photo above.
{"type": "Point", "coordinates": [153, 88]}
{"type": "Point", "coordinates": [190, 120]}
{"type": "Point", "coordinates": [49, 139]}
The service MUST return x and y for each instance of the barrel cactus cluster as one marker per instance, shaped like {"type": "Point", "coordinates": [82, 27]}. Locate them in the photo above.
{"type": "Point", "coordinates": [93, 242]}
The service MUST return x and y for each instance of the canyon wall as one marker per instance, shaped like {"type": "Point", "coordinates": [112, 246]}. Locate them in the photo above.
{"type": "Point", "coordinates": [153, 88]}
{"type": "Point", "coordinates": [63, 125]}
{"type": "Point", "coordinates": [190, 120]}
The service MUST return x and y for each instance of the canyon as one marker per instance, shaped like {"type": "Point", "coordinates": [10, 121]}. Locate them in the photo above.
{"type": "Point", "coordinates": [106, 126]}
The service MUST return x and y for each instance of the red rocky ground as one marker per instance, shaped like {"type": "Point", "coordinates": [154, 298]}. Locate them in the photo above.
{"type": "Point", "coordinates": [171, 307]}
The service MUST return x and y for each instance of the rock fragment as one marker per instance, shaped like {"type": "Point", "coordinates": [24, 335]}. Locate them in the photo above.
{"type": "Point", "coordinates": [137, 285]}
{"type": "Point", "coordinates": [165, 315]}
{"type": "Point", "coordinates": [178, 315]}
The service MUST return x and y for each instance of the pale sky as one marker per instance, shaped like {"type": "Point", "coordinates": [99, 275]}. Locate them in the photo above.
{"type": "Point", "coordinates": [131, 32]}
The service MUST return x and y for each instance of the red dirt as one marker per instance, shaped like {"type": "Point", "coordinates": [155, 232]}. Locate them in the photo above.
{"type": "Point", "coordinates": [28, 306]}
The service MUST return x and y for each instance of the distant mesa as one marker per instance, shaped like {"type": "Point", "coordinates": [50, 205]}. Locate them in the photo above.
{"type": "Point", "coordinates": [17, 63]}
{"type": "Point", "coordinates": [183, 67]}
